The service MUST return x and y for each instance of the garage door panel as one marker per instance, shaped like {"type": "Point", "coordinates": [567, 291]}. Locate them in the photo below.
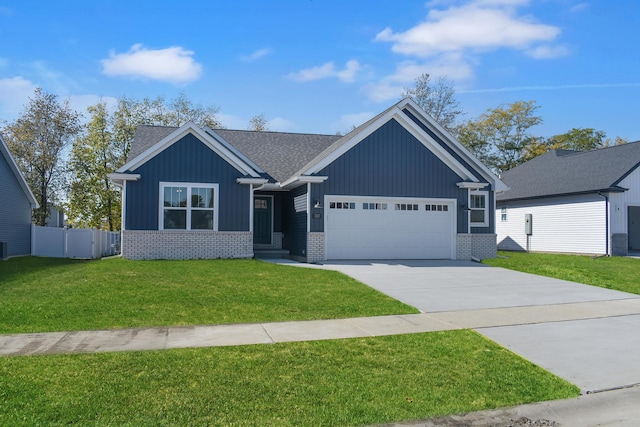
{"type": "Point", "coordinates": [391, 233]}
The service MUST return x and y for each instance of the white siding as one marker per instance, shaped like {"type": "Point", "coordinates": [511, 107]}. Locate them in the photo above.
{"type": "Point", "coordinates": [573, 224]}
{"type": "Point", "coordinates": [621, 201]}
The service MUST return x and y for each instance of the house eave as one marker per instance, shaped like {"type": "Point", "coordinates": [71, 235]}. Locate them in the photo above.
{"type": "Point", "coordinates": [614, 189]}
{"type": "Point", "coordinates": [297, 181]}
{"type": "Point", "coordinates": [119, 178]}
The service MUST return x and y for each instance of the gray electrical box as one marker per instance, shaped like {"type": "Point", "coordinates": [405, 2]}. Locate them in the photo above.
{"type": "Point", "coordinates": [528, 224]}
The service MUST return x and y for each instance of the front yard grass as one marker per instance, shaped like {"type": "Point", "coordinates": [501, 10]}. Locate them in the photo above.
{"type": "Point", "coordinates": [619, 273]}
{"type": "Point", "coordinates": [323, 383]}
{"type": "Point", "coordinates": [47, 294]}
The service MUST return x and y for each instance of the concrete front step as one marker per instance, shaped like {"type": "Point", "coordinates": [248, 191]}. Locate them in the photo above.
{"type": "Point", "coordinates": [270, 253]}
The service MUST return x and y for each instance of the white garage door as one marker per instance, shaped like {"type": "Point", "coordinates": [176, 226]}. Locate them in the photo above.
{"type": "Point", "coordinates": [389, 228]}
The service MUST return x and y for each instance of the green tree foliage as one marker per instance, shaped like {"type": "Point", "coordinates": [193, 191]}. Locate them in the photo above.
{"type": "Point", "coordinates": [437, 98]}
{"type": "Point", "coordinates": [585, 139]}
{"type": "Point", "coordinates": [37, 141]}
{"type": "Point", "coordinates": [258, 123]}
{"type": "Point", "coordinates": [94, 201]}
{"type": "Point", "coordinates": [501, 137]}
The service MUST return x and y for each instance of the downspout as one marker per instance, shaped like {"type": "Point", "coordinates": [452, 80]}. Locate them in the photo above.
{"type": "Point", "coordinates": [606, 215]}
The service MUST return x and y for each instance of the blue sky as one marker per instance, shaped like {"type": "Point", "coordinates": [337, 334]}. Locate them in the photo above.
{"type": "Point", "coordinates": [322, 66]}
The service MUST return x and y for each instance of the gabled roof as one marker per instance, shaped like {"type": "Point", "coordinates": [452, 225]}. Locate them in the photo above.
{"type": "Point", "coordinates": [561, 172]}
{"type": "Point", "coordinates": [147, 150]}
{"type": "Point", "coordinates": [396, 112]}
{"type": "Point", "coordinates": [279, 154]}
{"type": "Point", "coordinates": [294, 158]}
{"type": "Point", "coordinates": [4, 151]}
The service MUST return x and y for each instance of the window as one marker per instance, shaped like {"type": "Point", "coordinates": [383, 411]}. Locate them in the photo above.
{"type": "Point", "coordinates": [437, 208]}
{"type": "Point", "coordinates": [503, 213]}
{"type": "Point", "coordinates": [406, 207]}
{"type": "Point", "coordinates": [478, 212]}
{"type": "Point", "coordinates": [188, 206]}
{"type": "Point", "coordinates": [374, 206]}
{"type": "Point", "coordinates": [342, 205]}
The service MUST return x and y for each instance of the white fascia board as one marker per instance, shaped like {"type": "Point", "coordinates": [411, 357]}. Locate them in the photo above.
{"type": "Point", "coordinates": [472, 185]}
{"type": "Point", "coordinates": [203, 136]}
{"type": "Point", "coordinates": [426, 140]}
{"type": "Point", "coordinates": [18, 174]}
{"type": "Point", "coordinates": [119, 178]}
{"type": "Point", "coordinates": [461, 149]}
{"type": "Point", "coordinates": [297, 181]}
{"type": "Point", "coordinates": [252, 181]}
{"type": "Point", "coordinates": [271, 186]}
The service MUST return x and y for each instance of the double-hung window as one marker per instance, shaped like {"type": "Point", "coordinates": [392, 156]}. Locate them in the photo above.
{"type": "Point", "coordinates": [186, 206]}
{"type": "Point", "coordinates": [478, 208]}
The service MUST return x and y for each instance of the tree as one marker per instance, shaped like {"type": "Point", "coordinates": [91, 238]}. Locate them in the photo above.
{"type": "Point", "coordinates": [37, 140]}
{"type": "Point", "coordinates": [500, 137]}
{"type": "Point", "coordinates": [437, 99]}
{"type": "Point", "coordinates": [93, 199]}
{"type": "Point", "coordinates": [585, 139]}
{"type": "Point", "coordinates": [258, 123]}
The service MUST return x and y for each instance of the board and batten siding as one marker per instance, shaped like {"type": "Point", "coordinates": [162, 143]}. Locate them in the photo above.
{"type": "Point", "coordinates": [621, 201]}
{"type": "Point", "coordinates": [187, 160]}
{"type": "Point", "coordinates": [15, 213]}
{"type": "Point", "coordinates": [571, 224]}
{"type": "Point", "coordinates": [390, 163]}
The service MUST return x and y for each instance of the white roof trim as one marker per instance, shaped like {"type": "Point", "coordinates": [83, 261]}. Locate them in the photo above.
{"type": "Point", "coordinates": [461, 149]}
{"type": "Point", "coordinates": [472, 185]}
{"type": "Point", "coordinates": [190, 127]}
{"type": "Point", "coordinates": [304, 179]}
{"type": "Point", "coordinates": [397, 114]}
{"type": "Point", "coordinates": [120, 178]}
{"type": "Point", "coordinates": [252, 181]}
{"type": "Point", "coordinates": [18, 174]}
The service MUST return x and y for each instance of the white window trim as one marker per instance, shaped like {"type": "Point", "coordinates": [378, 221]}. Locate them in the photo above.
{"type": "Point", "coordinates": [189, 186]}
{"type": "Point", "coordinates": [486, 208]}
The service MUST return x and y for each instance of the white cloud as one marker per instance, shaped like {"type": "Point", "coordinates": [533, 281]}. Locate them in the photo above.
{"type": "Point", "coordinates": [452, 66]}
{"type": "Point", "coordinates": [579, 7]}
{"type": "Point", "coordinates": [232, 122]}
{"type": "Point", "coordinates": [327, 70]}
{"type": "Point", "coordinates": [173, 64]}
{"type": "Point", "coordinates": [258, 54]}
{"type": "Point", "coordinates": [14, 96]}
{"type": "Point", "coordinates": [80, 102]}
{"type": "Point", "coordinates": [280, 124]}
{"type": "Point", "coordinates": [548, 52]}
{"type": "Point", "coordinates": [348, 121]}
{"type": "Point", "coordinates": [480, 25]}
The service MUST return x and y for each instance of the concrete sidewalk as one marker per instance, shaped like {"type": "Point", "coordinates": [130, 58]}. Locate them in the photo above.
{"type": "Point", "coordinates": [278, 332]}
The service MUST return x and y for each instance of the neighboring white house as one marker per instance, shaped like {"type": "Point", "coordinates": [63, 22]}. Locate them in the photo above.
{"type": "Point", "coordinates": [573, 202]}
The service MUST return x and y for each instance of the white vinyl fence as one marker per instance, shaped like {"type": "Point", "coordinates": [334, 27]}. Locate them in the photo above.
{"type": "Point", "coordinates": [73, 242]}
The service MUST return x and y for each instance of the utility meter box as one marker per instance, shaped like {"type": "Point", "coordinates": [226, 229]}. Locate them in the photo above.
{"type": "Point", "coordinates": [528, 224]}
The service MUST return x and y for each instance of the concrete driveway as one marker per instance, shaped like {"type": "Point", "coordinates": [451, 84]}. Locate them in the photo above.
{"type": "Point", "coordinates": [592, 338]}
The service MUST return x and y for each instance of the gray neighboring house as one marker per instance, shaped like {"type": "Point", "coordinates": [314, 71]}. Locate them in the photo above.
{"type": "Point", "coordinates": [15, 208]}
{"type": "Point", "coordinates": [397, 187]}
{"type": "Point", "coordinates": [577, 202]}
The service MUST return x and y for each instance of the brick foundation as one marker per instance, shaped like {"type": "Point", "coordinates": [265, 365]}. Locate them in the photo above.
{"type": "Point", "coordinates": [173, 244]}
{"type": "Point", "coordinates": [315, 247]}
{"type": "Point", "coordinates": [476, 246]}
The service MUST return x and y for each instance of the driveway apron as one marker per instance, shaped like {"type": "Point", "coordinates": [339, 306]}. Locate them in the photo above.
{"type": "Point", "coordinates": [595, 353]}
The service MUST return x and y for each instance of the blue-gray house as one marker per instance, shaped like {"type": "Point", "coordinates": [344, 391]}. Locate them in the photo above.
{"type": "Point", "coordinates": [397, 187]}
{"type": "Point", "coordinates": [15, 208]}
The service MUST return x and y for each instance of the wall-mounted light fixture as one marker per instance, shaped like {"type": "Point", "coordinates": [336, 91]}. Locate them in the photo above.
{"type": "Point", "coordinates": [317, 205]}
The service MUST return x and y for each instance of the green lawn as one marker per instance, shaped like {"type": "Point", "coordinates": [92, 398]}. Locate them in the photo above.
{"type": "Point", "coordinates": [47, 294]}
{"type": "Point", "coordinates": [622, 274]}
{"type": "Point", "coordinates": [323, 383]}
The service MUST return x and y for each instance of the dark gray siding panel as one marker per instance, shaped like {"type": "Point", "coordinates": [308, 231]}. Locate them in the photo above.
{"type": "Point", "coordinates": [390, 162]}
{"type": "Point", "coordinates": [187, 160]}
{"type": "Point", "coordinates": [15, 213]}
{"type": "Point", "coordinates": [295, 225]}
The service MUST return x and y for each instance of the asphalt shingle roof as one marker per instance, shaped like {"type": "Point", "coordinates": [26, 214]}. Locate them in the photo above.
{"type": "Point", "coordinates": [560, 172]}
{"type": "Point", "coordinates": [279, 154]}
